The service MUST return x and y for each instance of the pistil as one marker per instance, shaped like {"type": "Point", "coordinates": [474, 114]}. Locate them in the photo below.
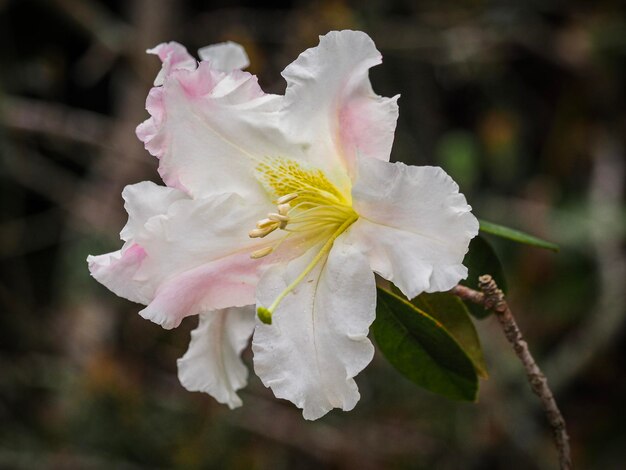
{"type": "Point", "coordinates": [265, 314]}
{"type": "Point", "coordinates": [308, 207]}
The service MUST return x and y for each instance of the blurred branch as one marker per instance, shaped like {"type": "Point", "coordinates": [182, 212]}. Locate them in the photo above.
{"type": "Point", "coordinates": [492, 299]}
{"type": "Point", "coordinates": [111, 36]}
{"type": "Point", "coordinates": [37, 173]}
{"type": "Point", "coordinates": [55, 120]}
{"type": "Point", "coordinates": [604, 322]}
{"type": "Point", "coordinates": [454, 40]}
{"type": "Point", "coordinates": [281, 424]}
{"type": "Point", "coordinates": [99, 192]}
{"type": "Point", "coordinates": [95, 20]}
{"type": "Point", "coordinates": [11, 458]}
{"type": "Point", "coordinates": [29, 233]}
{"type": "Point", "coordinates": [264, 25]}
{"type": "Point", "coordinates": [327, 443]}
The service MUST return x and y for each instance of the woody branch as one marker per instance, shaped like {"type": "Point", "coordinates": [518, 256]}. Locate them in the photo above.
{"type": "Point", "coordinates": [492, 298]}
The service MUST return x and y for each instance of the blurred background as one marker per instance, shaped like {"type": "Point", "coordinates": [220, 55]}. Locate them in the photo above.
{"type": "Point", "coordinates": [522, 102]}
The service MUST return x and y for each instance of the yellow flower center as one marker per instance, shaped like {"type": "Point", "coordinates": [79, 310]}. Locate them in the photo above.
{"type": "Point", "coordinates": [308, 206]}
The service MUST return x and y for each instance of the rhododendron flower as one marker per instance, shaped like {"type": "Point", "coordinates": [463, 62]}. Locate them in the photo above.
{"type": "Point", "coordinates": [287, 202]}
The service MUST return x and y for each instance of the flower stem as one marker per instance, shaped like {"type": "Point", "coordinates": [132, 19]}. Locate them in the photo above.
{"type": "Point", "coordinates": [492, 298]}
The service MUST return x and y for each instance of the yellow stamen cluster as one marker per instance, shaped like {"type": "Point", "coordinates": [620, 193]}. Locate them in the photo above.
{"type": "Point", "coordinates": [308, 205]}
{"type": "Point", "coordinates": [273, 221]}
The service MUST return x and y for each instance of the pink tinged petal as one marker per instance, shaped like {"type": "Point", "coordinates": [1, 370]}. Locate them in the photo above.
{"type": "Point", "coordinates": [148, 131]}
{"type": "Point", "coordinates": [174, 56]}
{"type": "Point", "coordinates": [113, 270]}
{"type": "Point", "coordinates": [227, 282]}
{"type": "Point", "coordinates": [194, 232]}
{"type": "Point", "coordinates": [119, 270]}
{"type": "Point", "coordinates": [212, 364]}
{"type": "Point", "coordinates": [198, 258]}
{"type": "Point", "coordinates": [236, 88]}
{"type": "Point", "coordinates": [192, 256]}
{"type": "Point", "coordinates": [317, 341]}
{"type": "Point", "coordinates": [367, 126]}
{"type": "Point", "coordinates": [330, 104]}
{"type": "Point", "coordinates": [225, 56]}
{"type": "Point", "coordinates": [415, 226]}
{"type": "Point", "coordinates": [210, 129]}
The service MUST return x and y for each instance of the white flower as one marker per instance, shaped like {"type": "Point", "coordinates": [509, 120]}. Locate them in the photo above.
{"type": "Point", "coordinates": [288, 202]}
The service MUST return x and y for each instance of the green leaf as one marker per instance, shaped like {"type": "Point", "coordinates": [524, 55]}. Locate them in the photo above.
{"type": "Point", "coordinates": [421, 349]}
{"type": "Point", "coordinates": [516, 235]}
{"type": "Point", "coordinates": [452, 313]}
{"type": "Point", "coordinates": [482, 259]}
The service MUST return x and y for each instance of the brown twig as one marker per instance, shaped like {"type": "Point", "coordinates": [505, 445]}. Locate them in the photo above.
{"type": "Point", "coordinates": [492, 298]}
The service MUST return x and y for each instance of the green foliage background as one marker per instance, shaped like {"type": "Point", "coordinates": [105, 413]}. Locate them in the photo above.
{"type": "Point", "coordinates": [523, 103]}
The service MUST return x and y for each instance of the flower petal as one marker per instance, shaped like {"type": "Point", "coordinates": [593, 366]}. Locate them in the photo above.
{"type": "Point", "coordinates": [225, 56]}
{"type": "Point", "coordinates": [115, 269]}
{"type": "Point", "coordinates": [195, 231]}
{"type": "Point", "coordinates": [317, 341]}
{"type": "Point", "coordinates": [330, 104]}
{"type": "Point", "coordinates": [415, 226]}
{"type": "Point", "coordinates": [192, 256]}
{"type": "Point", "coordinates": [210, 128]}
{"type": "Point", "coordinates": [212, 364]}
{"type": "Point", "coordinates": [198, 258]}
{"type": "Point", "coordinates": [143, 201]}
{"type": "Point", "coordinates": [227, 282]}
{"type": "Point", "coordinates": [173, 56]}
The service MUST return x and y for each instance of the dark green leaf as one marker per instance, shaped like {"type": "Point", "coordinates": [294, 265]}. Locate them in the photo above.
{"type": "Point", "coordinates": [452, 313]}
{"type": "Point", "coordinates": [482, 259]}
{"type": "Point", "coordinates": [421, 349]}
{"type": "Point", "coordinates": [516, 235]}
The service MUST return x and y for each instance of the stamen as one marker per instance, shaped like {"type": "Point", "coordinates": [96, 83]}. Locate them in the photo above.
{"type": "Point", "coordinates": [320, 213]}
{"type": "Point", "coordinates": [265, 314]}
{"type": "Point", "coordinates": [277, 217]}
{"type": "Point", "coordinates": [260, 233]}
{"type": "Point", "coordinates": [263, 223]}
{"type": "Point", "coordinates": [283, 209]}
{"type": "Point", "coordinates": [282, 219]}
{"type": "Point", "coordinates": [286, 198]}
{"type": "Point", "coordinates": [262, 252]}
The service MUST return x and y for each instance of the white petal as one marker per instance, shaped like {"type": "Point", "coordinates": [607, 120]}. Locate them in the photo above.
{"type": "Point", "coordinates": [198, 258]}
{"type": "Point", "coordinates": [225, 56]}
{"type": "Point", "coordinates": [143, 201]}
{"type": "Point", "coordinates": [210, 129]}
{"type": "Point", "coordinates": [116, 270]}
{"type": "Point", "coordinates": [216, 284]}
{"type": "Point", "coordinates": [415, 226]}
{"type": "Point", "coordinates": [193, 257]}
{"type": "Point", "coordinates": [317, 341]}
{"type": "Point", "coordinates": [212, 364]}
{"type": "Point", "coordinates": [330, 104]}
{"type": "Point", "coordinates": [194, 231]}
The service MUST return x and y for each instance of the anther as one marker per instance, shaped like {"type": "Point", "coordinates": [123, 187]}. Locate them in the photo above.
{"type": "Point", "coordinates": [264, 223]}
{"type": "Point", "coordinates": [280, 218]}
{"type": "Point", "coordinates": [260, 232]}
{"type": "Point", "coordinates": [262, 252]}
{"type": "Point", "coordinates": [283, 209]}
{"type": "Point", "coordinates": [286, 198]}
{"type": "Point", "coordinates": [277, 217]}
